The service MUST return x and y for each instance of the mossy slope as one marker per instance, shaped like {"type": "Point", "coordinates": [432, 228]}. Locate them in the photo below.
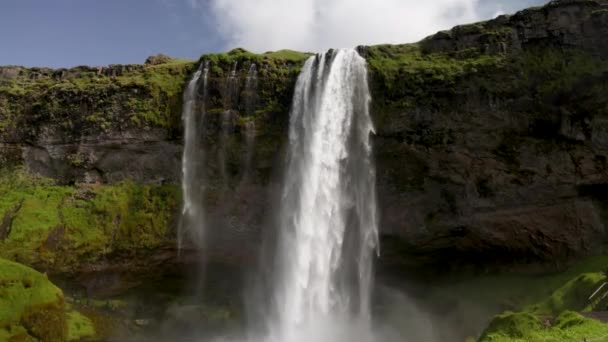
{"type": "Point", "coordinates": [60, 228]}
{"type": "Point", "coordinates": [556, 317]}
{"type": "Point", "coordinates": [30, 305]}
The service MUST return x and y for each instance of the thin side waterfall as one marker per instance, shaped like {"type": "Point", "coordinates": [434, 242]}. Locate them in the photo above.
{"type": "Point", "coordinates": [251, 85]}
{"type": "Point", "coordinates": [231, 98]}
{"type": "Point", "coordinates": [328, 212]}
{"type": "Point", "coordinates": [192, 221]}
{"type": "Point", "coordinates": [251, 90]}
{"type": "Point", "coordinates": [231, 88]}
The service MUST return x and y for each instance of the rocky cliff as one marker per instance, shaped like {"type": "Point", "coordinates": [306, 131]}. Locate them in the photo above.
{"type": "Point", "coordinates": [491, 146]}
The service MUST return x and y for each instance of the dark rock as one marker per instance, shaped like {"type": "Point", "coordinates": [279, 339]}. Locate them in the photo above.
{"type": "Point", "coordinates": [158, 59]}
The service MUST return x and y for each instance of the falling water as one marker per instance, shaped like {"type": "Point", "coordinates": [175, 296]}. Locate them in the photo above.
{"type": "Point", "coordinates": [328, 214]}
{"type": "Point", "coordinates": [231, 88]}
{"type": "Point", "coordinates": [251, 85]}
{"type": "Point", "coordinates": [230, 96]}
{"type": "Point", "coordinates": [250, 97]}
{"type": "Point", "coordinates": [192, 220]}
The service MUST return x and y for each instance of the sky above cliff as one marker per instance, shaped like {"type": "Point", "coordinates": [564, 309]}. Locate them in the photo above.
{"type": "Point", "coordinates": [64, 33]}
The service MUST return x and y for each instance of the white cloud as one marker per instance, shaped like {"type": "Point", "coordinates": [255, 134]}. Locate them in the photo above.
{"type": "Point", "coordinates": [316, 25]}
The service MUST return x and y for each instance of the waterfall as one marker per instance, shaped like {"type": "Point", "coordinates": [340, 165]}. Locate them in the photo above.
{"type": "Point", "coordinates": [250, 97]}
{"type": "Point", "coordinates": [328, 211]}
{"type": "Point", "coordinates": [231, 99]}
{"type": "Point", "coordinates": [231, 88]}
{"type": "Point", "coordinates": [192, 221]}
{"type": "Point", "coordinates": [251, 85]}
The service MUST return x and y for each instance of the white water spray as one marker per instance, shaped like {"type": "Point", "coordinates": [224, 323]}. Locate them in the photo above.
{"type": "Point", "coordinates": [192, 220]}
{"type": "Point", "coordinates": [328, 214]}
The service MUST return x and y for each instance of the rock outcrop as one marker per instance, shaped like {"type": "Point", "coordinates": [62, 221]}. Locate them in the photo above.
{"type": "Point", "coordinates": [491, 138]}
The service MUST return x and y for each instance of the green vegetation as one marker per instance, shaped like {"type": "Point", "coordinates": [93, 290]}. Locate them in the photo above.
{"type": "Point", "coordinates": [539, 308]}
{"type": "Point", "coordinates": [33, 309]}
{"type": "Point", "coordinates": [60, 227]}
{"type": "Point", "coordinates": [79, 327]}
{"type": "Point", "coordinates": [569, 326]}
{"type": "Point", "coordinates": [406, 71]}
{"type": "Point", "coordinates": [541, 293]}
{"type": "Point", "coordinates": [573, 295]}
{"type": "Point", "coordinates": [404, 77]}
{"type": "Point", "coordinates": [222, 62]}
{"type": "Point", "coordinates": [407, 77]}
{"type": "Point", "coordinates": [30, 305]}
{"type": "Point", "coordinates": [96, 98]}
{"type": "Point", "coordinates": [287, 55]}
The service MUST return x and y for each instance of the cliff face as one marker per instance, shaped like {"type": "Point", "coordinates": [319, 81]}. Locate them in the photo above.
{"type": "Point", "coordinates": [492, 137]}
{"type": "Point", "coordinates": [491, 142]}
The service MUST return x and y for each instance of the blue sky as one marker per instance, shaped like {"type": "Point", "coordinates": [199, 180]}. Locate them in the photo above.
{"type": "Point", "coordinates": [65, 33]}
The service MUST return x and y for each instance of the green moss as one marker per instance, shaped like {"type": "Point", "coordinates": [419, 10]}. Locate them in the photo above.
{"type": "Point", "coordinates": [79, 327]}
{"type": "Point", "coordinates": [16, 334]}
{"type": "Point", "coordinates": [404, 77]}
{"type": "Point", "coordinates": [164, 84]}
{"type": "Point", "coordinates": [550, 82]}
{"type": "Point", "coordinates": [513, 291]}
{"type": "Point", "coordinates": [29, 300]}
{"type": "Point", "coordinates": [60, 227]}
{"type": "Point", "coordinates": [571, 296]}
{"type": "Point", "coordinates": [240, 55]}
{"type": "Point", "coordinates": [524, 327]}
{"type": "Point", "coordinates": [47, 323]}
{"type": "Point", "coordinates": [150, 93]}
{"type": "Point", "coordinates": [138, 215]}
{"type": "Point", "coordinates": [513, 325]}
{"type": "Point", "coordinates": [289, 55]}
{"type": "Point", "coordinates": [551, 315]}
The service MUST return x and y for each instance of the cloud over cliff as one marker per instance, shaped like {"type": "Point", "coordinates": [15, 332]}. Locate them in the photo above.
{"type": "Point", "coordinates": [316, 25]}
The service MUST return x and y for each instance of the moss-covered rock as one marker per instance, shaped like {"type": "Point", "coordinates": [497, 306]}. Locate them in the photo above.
{"type": "Point", "coordinates": [555, 317]}
{"type": "Point", "coordinates": [569, 326]}
{"type": "Point", "coordinates": [79, 327]}
{"type": "Point", "coordinates": [574, 295]}
{"type": "Point", "coordinates": [30, 305]}
{"type": "Point", "coordinates": [62, 228]}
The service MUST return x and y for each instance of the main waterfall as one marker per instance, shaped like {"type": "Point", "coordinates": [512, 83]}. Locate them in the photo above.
{"type": "Point", "coordinates": [328, 211]}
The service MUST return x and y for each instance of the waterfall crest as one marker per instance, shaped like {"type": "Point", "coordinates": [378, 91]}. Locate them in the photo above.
{"type": "Point", "coordinates": [328, 221]}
